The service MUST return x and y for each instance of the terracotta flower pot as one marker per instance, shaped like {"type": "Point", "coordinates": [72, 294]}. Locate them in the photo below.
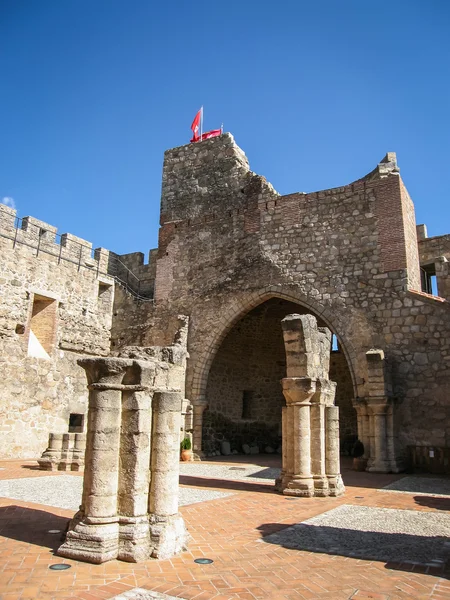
{"type": "Point", "coordinates": [186, 455]}
{"type": "Point", "coordinates": [359, 464]}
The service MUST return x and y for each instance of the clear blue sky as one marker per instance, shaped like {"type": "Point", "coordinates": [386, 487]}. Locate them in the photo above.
{"type": "Point", "coordinates": [94, 91]}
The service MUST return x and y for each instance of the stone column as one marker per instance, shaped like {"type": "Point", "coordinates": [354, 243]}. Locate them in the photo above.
{"type": "Point", "coordinates": [379, 461]}
{"type": "Point", "coordinates": [308, 393]}
{"type": "Point", "coordinates": [333, 466]}
{"type": "Point", "coordinates": [167, 528]}
{"type": "Point", "coordinates": [94, 532]}
{"type": "Point", "coordinates": [296, 478]}
{"type": "Point", "coordinates": [134, 472]}
{"type": "Point", "coordinates": [198, 408]}
{"type": "Point", "coordinates": [380, 409]}
{"type": "Point", "coordinates": [51, 457]}
{"type": "Point", "coordinates": [79, 450]}
{"type": "Point", "coordinates": [359, 404]}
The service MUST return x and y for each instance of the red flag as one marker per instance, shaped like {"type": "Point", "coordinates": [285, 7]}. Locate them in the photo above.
{"type": "Point", "coordinates": [195, 125]}
{"type": "Point", "coordinates": [211, 134]}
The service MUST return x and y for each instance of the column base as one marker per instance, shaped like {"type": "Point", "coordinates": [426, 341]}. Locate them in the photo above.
{"type": "Point", "coordinates": [379, 466]}
{"type": "Point", "coordinates": [294, 486]}
{"type": "Point", "coordinates": [336, 485]}
{"type": "Point", "coordinates": [316, 487]}
{"type": "Point", "coordinates": [168, 535]}
{"type": "Point", "coordinates": [134, 539]}
{"type": "Point", "coordinates": [92, 542]}
{"type": "Point", "coordinates": [321, 487]}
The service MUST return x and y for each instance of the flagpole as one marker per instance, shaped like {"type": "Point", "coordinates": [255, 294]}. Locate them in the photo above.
{"type": "Point", "coordinates": [201, 125]}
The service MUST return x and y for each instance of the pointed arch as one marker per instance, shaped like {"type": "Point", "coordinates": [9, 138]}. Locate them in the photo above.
{"type": "Point", "coordinates": [236, 309]}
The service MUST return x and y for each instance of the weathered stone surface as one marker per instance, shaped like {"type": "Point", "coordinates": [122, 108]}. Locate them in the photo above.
{"type": "Point", "coordinates": [65, 452]}
{"type": "Point", "coordinates": [130, 511]}
{"type": "Point", "coordinates": [228, 244]}
{"type": "Point", "coordinates": [310, 419]}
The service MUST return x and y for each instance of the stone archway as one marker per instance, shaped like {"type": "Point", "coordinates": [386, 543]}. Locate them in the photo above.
{"type": "Point", "coordinates": [230, 318]}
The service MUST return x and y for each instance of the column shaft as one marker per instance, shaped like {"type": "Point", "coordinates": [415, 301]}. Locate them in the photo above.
{"type": "Point", "coordinates": [168, 533]}
{"type": "Point", "coordinates": [332, 451]}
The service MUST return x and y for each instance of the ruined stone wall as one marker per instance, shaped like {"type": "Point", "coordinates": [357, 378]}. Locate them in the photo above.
{"type": "Point", "coordinates": [433, 247]}
{"type": "Point", "coordinates": [228, 242]}
{"type": "Point", "coordinates": [39, 392]}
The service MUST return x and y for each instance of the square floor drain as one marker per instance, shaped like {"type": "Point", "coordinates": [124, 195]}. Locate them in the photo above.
{"type": "Point", "coordinates": [381, 534]}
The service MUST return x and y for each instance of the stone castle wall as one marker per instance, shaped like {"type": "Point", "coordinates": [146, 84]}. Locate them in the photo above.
{"type": "Point", "coordinates": [39, 392]}
{"type": "Point", "coordinates": [228, 242]}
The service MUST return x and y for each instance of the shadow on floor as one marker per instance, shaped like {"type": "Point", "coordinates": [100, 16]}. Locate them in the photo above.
{"type": "Point", "coordinates": [433, 502]}
{"type": "Point", "coordinates": [400, 551]}
{"type": "Point", "coordinates": [32, 526]}
{"type": "Point", "coordinates": [226, 484]}
{"type": "Point", "coordinates": [270, 462]}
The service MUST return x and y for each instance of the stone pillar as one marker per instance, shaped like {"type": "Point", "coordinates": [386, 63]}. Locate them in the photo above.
{"type": "Point", "coordinates": [134, 471]}
{"type": "Point", "coordinates": [360, 406]}
{"type": "Point", "coordinates": [198, 408]}
{"type": "Point", "coordinates": [297, 478]}
{"type": "Point", "coordinates": [167, 529]}
{"type": "Point", "coordinates": [129, 507]}
{"type": "Point", "coordinates": [307, 468]}
{"type": "Point", "coordinates": [79, 450]}
{"type": "Point", "coordinates": [380, 410]}
{"type": "Point", "coordinates": [379, 462]}
{"type": "Point", "coordinates": [333, 466]}
{"type": "Point", "coordinates": [94, 532]}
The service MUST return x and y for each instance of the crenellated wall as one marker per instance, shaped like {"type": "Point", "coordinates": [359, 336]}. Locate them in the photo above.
{"type": "Point", "coordinates": [55, 305]}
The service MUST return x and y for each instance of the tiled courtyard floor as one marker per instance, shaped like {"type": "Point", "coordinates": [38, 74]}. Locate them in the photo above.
{"type": "Point", "coordinates": [228, 530]}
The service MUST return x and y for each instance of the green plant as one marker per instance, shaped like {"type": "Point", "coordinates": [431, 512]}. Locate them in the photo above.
{"type": "Point", "coordinates": [186, 444]}
{"type": "Point", "coordinates": [358, 449]}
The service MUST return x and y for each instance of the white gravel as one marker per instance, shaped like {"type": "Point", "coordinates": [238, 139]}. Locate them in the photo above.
{"type": "Point", "coordinates": [235, 472]}
{"type": "Point", "coordinates": [429, 486]}
{"type": "Point", "coordinates": [64, 491]}
{"type": "Point", "coordinates": [381, 534]}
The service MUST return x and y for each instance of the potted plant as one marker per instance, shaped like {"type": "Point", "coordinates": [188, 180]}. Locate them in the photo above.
{"type": "Point", "coordinates": [359, 462]}
{"type": "Point", "coordinates": [185, 449]}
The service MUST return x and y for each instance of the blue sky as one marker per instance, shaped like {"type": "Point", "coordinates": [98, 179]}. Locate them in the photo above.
{"type": "Point", "coordinates": [94, 91]}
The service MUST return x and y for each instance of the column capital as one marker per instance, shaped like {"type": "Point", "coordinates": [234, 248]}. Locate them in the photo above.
{"type": "Point", "coordinates": [378, 405]}
{"type": "Point", "coordinates": [325, 392]}
{"type": "Point", "coordinates": [298, 390]}
{"type": "Point", "coordinates": [105, 370]}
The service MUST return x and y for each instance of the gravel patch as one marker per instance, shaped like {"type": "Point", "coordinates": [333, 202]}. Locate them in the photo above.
{"type": "Point", "coordinates": [141, 594]}
{"type": "Point", "coordinates": [241, 473]}
{"type": "Point", "coordinates": [382, 534]}
{"type": "Point", "coordinates": [65, 491]}
{"type": "Point", "coordinates": [434, 486]}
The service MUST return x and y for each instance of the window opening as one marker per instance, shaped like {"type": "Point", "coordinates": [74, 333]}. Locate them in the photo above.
{"type": "Point", "coordinates": [42, 327]}
{"type": "Point", "coordinates": [334, 343]}
{"type": "Point", "coordinates": [247, 404]}
{"type": "Point", "coordinates": [76, 422]}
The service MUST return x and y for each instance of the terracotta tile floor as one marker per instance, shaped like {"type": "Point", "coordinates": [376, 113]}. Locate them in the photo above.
{"type": "Point", "coordinates": [227, 530]}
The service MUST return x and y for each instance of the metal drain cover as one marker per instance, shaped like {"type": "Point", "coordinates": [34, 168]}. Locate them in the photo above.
{"type": "Point", "coordinates": [203, 561]}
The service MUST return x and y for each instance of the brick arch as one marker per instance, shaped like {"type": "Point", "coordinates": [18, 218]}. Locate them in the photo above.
{"type": "Point", "coordinates": [238, 308]}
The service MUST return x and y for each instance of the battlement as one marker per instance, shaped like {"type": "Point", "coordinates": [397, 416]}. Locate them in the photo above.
{"type": "Point", "coordinates": [42, 237]}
